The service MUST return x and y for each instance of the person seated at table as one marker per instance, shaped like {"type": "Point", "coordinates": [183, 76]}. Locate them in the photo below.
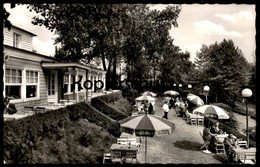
{"type": "Point", "coordinates": [215, 129]}
{"type": "Point", "coordinates": [230, 142]}
{"type": "Point", "coordinates": [9, 108]}
{"type": "Point", "coordinates": [208, 138]}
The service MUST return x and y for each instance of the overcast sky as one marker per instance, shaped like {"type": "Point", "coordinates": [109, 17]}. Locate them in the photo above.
{"type": "Point", "coordinates": [197, 25]}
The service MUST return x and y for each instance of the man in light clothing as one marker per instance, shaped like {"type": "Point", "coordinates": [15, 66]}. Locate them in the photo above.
{"type": "Point", "coordinates": [165, 109]}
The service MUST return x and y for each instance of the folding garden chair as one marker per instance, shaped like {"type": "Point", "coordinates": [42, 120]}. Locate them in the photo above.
{"type": "Point", "coordinates": [205, 144]}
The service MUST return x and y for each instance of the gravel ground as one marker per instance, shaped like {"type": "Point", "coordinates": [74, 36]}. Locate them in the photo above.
{"type": "Point", "coordinates": [181, 147]}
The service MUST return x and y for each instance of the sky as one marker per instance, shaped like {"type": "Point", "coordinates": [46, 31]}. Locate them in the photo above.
{"type": "Point", "coordinates": [197, 25]}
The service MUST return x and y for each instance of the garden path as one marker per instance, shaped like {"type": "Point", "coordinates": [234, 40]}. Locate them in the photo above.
{"type": "Point", "coordinates": [181, 147]}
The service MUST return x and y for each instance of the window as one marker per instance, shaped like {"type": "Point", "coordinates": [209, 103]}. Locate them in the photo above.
{"type": "Point", "coordinates": [17, 40]}
{"type": "Point", "coordinates": [31, 84]}
{"type": "Point", "coordinates": [72, 86]}
{"type": "Point", "coordinates": [51, 84]}
{"type": "Point", "coordinates": [13, 82]}
{"type": "Point", "coordinates": [66, 83]}
{"type": "Point", "coordinates": [82, 81]}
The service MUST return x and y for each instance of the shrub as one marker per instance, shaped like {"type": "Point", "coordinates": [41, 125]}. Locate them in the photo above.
{"type": "Point", "coordinates": [231, 122]}
{"type": "Point", "coordinates": [123, 105]}
{"type": "Point", "coordinates": [107, 110]}
{"type": "Point", "coordinates": [86, 139]}
{"type": "Point", "coordinates": [111, 97]}
{"type": "Point", "coordinates": [130, 94]}
{"type": "Point", "coordinates": [19, 136]}
{"type": "Point", "coordinates": [83, 110]}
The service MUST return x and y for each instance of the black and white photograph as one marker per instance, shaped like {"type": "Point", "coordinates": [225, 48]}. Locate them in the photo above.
{"type": "Point", "coordinates": [129, 83]}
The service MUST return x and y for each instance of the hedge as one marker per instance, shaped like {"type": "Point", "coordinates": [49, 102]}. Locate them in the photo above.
{"type": "Point", "coordinates": [107, 109]}
{"type": "Point", "coordinates": [83, 110]}
{"type": "Point", "coordinates": [111, 97]}
{"type": "Point", "coordinates": [20, 135]}
{"type": "Point", "coordinates": [209, 121]}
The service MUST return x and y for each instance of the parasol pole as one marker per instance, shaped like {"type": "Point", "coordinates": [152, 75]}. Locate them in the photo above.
{"type": "Point", "coordinates": [145, 141]}
{"type": "Point", "coordinates": [145, 147]}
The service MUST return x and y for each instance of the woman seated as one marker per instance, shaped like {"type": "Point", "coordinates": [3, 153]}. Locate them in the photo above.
{"type": "Point", "coordinates": [215, 129]}
{"type": "Point", "coordinates": [230, 142]}
{"type": "Point", "coordinates": [208, 138]}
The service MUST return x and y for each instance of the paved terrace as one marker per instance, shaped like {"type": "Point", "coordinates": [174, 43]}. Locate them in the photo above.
{"type": "Point", "coordinates": [182, 146]}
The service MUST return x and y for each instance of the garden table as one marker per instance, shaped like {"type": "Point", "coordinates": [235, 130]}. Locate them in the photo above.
{"type": "Point", "coordinates": [240, 152]}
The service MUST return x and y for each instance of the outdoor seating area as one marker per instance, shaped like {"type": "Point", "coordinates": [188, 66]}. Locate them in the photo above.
{"type": "Point", "coordinates": [124, 151]}
{"type": "Point", "coordinates": [42, 108]}
{"type": "Point", "coordinates": [234, 153]}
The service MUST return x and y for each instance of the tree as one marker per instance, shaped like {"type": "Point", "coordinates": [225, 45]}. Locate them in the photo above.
{"type": "Point", "coordinates": [224, 69]}
{"type": "Point", "coordinates": [88, 31]}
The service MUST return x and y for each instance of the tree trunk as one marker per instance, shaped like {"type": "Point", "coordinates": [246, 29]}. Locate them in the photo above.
{"type": "Point", "coordinates": [104, 61]}
{"type": "Point", "coordinates": [114, 71]}
{"type": "Point", "coordinates": [108, 75]}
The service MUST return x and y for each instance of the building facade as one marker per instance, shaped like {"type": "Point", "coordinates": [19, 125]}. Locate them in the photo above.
{"type": "Point", "coordinates": [31, 79]}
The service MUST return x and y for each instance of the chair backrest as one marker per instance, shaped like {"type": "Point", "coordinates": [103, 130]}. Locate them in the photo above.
{"type": "Point", "coordinates": [130, 154]}
{"type": "Point", "coordinates": [220, 139]}
{"type": "Point", "coordinates": [72, 101]}
{"type": "Point", "coordinates": [122, 141]}
{"type": "Point", "coordinates": [242, 144]}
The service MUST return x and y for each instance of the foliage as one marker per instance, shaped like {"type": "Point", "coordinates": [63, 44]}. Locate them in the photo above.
{"type": "Point", "coordinates": [123, 105]}
{"type": "Point", "coordinates": [107, 109]}
{"type": "Point", "coordinates": [20, 136]}
{"type": "Point", "coordinates": [83, 110]}
{"type": "Point", "coordinates": [96, 31]}
{"type": "Point", "coordinates": [111, 97]}
{"type": "Point", "coordinates": [231, 122]}
{"type": "Point", "coordinates": [224, 69]}
{"type": "Point", "coordinates": [5, 15]}
{"type": "Point", "coordinates": [130, 94]}
{"type": "Point", "coordinates": [25, 140]}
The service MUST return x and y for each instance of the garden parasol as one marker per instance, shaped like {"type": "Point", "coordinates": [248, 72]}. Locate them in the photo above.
{"type": "Point", "coordinates": [208, 110]}
{"type": "Point", "coordinates": [148, 93]}
{"type": "Point", "coordinates": [145, 98]}
{"type": "Point", "coordinates": [195, 99]}
{"type": "Point", "coordinates": [171, 92]}
{"type": "Point", "coordinates": [146, 125]}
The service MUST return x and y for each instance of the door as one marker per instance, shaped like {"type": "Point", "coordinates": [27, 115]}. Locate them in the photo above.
{"type": "Point", "coordinates": [53, 87]}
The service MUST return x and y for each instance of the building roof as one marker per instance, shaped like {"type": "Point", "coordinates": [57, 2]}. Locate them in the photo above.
{"type": "Point", "coordinates": [23, 30]}
{"type": "Point", "coordinates": [56, 65]}
{"type": "Point", "coordinates": [26, 51]}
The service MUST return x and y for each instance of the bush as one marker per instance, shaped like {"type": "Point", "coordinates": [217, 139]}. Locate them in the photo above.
{"type": "Point", "coordinates": [130, 94]}
{"type": "Point", "coordinates": [123, 105]}
{"type": "Point", "coordinates": [19, 136]}
{"type": "Point", "coordinates": [83, 110]}
{"type": "Point", "coordinates": [111, 97]}
{"type": "Point", "coordinates": [86, 139]}
{"type": "Point", "coordinates": [107, 110]}
{"type": "Point", "coordinates": [231, 122]}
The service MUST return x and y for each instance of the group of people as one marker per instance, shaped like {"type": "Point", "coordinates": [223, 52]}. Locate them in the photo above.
{"type": "Point", "coordinates": [230, 141]}
{"type": "Point", "coordinates": [174, 103]}
{"type": "Point", "coordinates": [146, 108]}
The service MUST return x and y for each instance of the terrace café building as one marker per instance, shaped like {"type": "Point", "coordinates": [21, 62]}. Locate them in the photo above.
{"type": "Point", "coordinates": [31, 79]}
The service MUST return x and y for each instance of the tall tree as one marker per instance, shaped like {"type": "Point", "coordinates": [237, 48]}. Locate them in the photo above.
{"type": "Point", "coordinates": [109, 32]}
{"type": "Point", "coordinates": [223, 67]}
